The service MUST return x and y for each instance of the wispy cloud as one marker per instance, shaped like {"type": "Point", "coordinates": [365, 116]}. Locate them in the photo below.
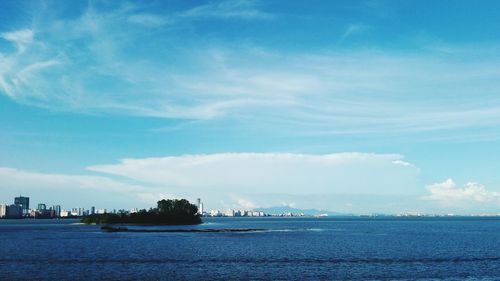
{"type": "Point", "coordinates": [240, 9]}
{"type": "Point", "coordinates": [149, 20]}
{"type": "Point", "coordinates": [236, 10]}
{"type": "Point", "coordinates": [351, 30]}
{"type": "Point", "coordinates": [125, 61]}
{"type": "Point", "coordinates": [21, 38]}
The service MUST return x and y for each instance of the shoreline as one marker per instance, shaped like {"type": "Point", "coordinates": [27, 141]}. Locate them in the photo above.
{"type": "Point", "coordinates": [108, 228]}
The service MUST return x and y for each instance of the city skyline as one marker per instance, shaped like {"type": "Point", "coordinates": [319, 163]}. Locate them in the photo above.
{"type": "Point", "coordinates": [20, 209]}
{"type": "Point", "coordinates": [348, 106]}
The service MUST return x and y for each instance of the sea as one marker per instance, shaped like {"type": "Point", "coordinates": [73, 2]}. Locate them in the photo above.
{"type": "Point", "coordinates": [332, 248]}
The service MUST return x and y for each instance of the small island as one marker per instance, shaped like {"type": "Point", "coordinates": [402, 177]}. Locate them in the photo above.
{"type": "Point", "coordinates": [168, 212]}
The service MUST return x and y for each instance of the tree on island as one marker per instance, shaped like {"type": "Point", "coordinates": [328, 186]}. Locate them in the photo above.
{"type": "Point", "coordinates": [167, 212]}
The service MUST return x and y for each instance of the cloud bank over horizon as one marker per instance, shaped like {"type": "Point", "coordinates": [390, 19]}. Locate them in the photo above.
{"type": "Point", "coordinates": [235, 178]}
{"type": "Point", "coordinates": [343, 182]}
{"type": "Point", "coordinates": [350, 173]}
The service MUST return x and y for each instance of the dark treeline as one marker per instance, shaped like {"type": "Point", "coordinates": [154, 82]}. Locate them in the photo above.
{"type": "Point", "coordinates": [167, 212]}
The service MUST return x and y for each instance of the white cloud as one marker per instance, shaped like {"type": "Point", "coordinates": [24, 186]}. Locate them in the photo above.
{"type": "Point", "coordinates": [265, 173]}
{"type": "Point", "coordinates": [448, 194]}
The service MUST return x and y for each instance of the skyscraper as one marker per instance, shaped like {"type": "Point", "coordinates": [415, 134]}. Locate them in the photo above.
{"type": "Point", "coordinates": [23, 202]}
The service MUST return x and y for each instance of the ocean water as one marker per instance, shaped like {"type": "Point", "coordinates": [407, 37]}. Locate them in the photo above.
{"type": "Point", "coordinates": [289, 249]}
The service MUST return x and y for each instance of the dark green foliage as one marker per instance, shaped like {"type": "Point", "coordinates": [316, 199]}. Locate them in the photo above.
{"type": "Point", "coordinates": [168, 212]}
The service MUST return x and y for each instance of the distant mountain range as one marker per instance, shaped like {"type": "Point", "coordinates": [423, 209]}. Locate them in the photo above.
{"type": "Point", "coordinates": [286, 209]}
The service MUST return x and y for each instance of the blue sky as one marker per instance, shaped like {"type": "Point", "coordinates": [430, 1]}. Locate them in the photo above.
{"type": "Point", "coordinates": [351, 106]}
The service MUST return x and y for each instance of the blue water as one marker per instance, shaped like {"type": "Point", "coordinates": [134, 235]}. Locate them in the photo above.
{"type": "Point", "coordinates": [292, 249]}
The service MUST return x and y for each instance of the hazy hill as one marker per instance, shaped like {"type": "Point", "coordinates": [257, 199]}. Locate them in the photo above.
{"type": "Point", "coordinates": [286, 209]}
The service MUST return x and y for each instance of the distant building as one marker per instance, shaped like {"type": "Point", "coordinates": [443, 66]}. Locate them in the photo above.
{"type": "Point", "coordinates": [257, 214]}
{"type": "Point", "coordinates": [92, 210]}
{"type": "Point", "coordinates": [237, 213]}
{"type": "Point", "coordinates": [215, 213]}
{"type": "Point", "coordinates": [3, 210]}
{"type": "Point", "coordinates": [102, 211]}
{"type": "Point", "coordinates": [200, 206]}
{"type": "Point", "coordinates": [14, 211]}
{"type": "Point", "coordinates": [41, 207]}
{"type": "Point", "coordinates": [57, 210]}
{"type": "Point", "coordinates": [24, 202]}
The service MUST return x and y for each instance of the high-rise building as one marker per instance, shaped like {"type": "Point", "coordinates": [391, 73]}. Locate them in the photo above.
{"type": "Point", "coordinates": [92, 210]}
{"type": "Point", "coordinates": [57, 210]}
{"type": "Point", "coordinates": [24, 202]}
{"type": "Point", "coordinates": [200, 206]}
{"type": "Point", "coordinates": [41, 207]}
{"type": "Point", "coordinates": [3, 210]}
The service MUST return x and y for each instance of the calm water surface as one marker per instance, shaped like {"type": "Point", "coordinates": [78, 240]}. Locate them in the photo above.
{"type": "Point", "coordinates": [291, 249]}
